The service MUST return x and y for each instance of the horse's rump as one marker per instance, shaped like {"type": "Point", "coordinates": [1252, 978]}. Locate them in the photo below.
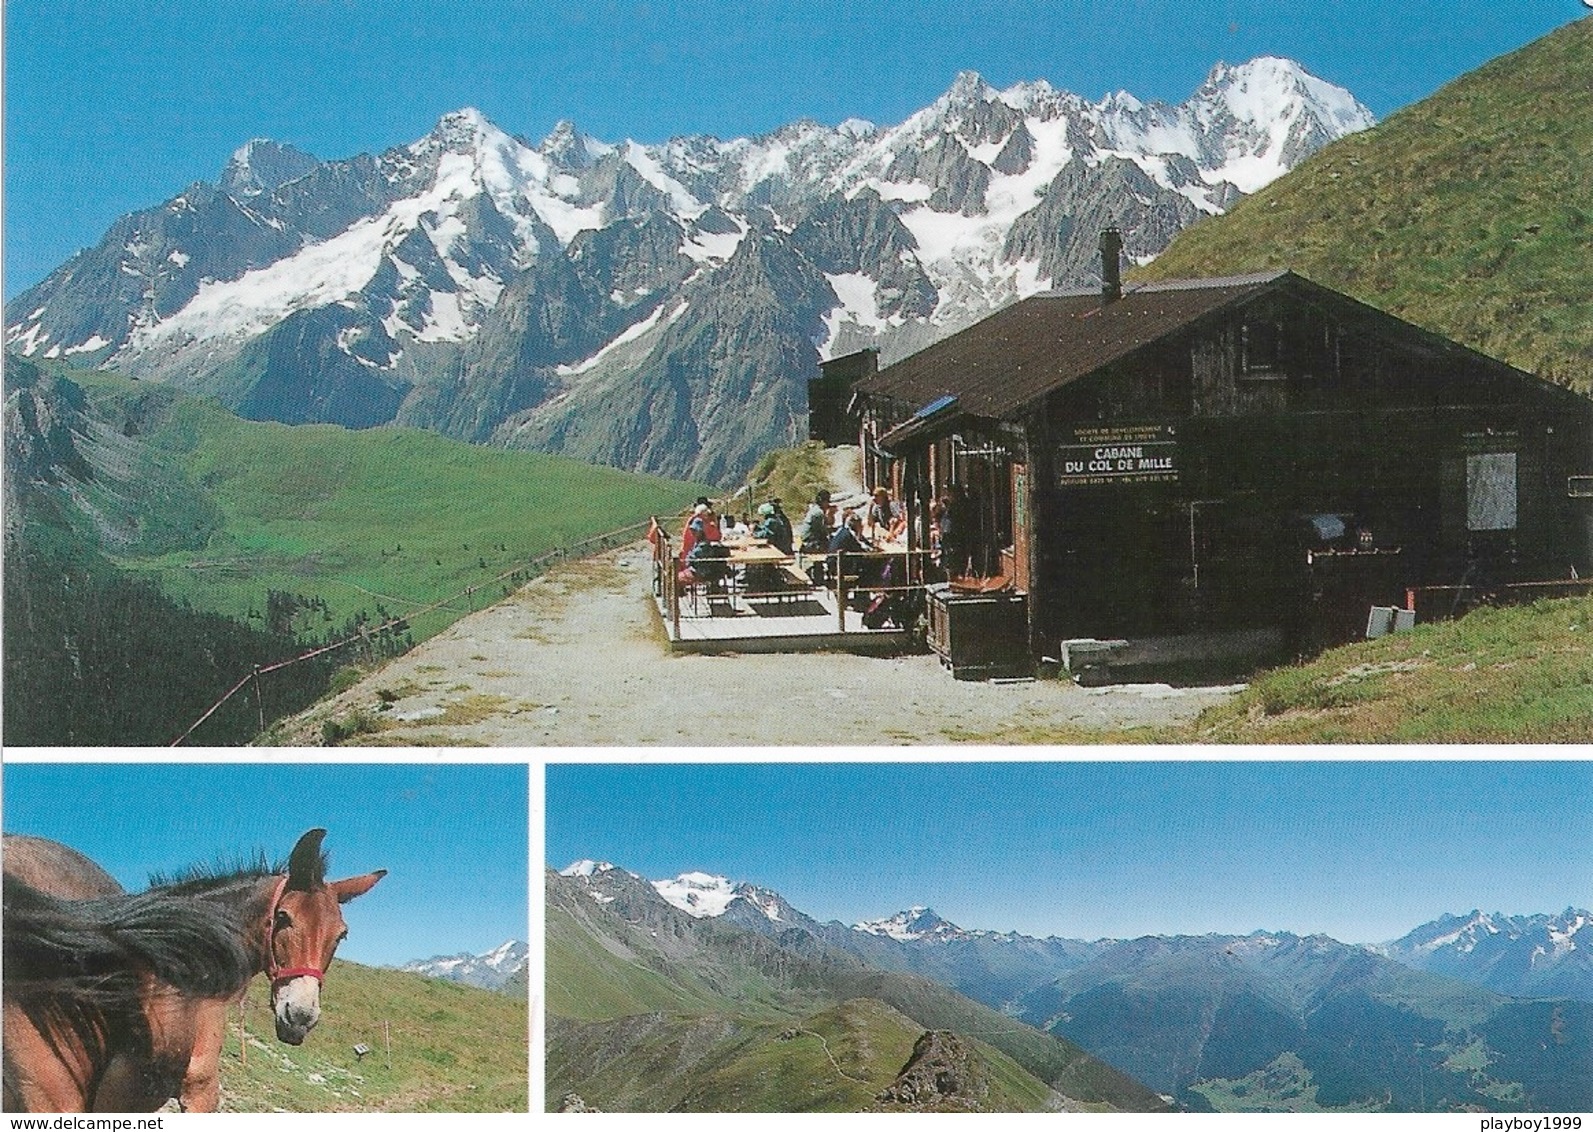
{"type": "Point", "coordinates": [56, 869]}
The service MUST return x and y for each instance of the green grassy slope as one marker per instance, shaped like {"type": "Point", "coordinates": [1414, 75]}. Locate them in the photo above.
{"type": "Point", "coordinates": [590, 984]}
{"type": "Point", "coordinates": [1514, 675]}
{"type": "Point", "coordinates": [199, 524]}
{"type": "Point", "coordinates": [390, 515]}
{"type": "Point", "coordinates": [1520, 674]}
{"type": "Point", "coordinates": [835, 1060]}
{"type": "Point", "coordinates": [649, 1010]}
{"type": "Point", "coordinates": [1469, 213]}
{"type": "Point", "coordinates": [435, 1046]}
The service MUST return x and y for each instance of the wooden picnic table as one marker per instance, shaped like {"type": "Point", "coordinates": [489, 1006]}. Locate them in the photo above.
{"type": "Point", "coordinates": [759, 554]}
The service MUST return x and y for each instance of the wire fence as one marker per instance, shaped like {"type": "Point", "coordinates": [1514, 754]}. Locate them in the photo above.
{"type": "Point", "coordinates": [517, 575]}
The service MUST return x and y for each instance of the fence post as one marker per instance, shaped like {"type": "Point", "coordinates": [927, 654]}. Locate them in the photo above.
{"type": "Point", "coordinates": [840, 588]}
{"type": "Point", "coordinates": [666, 566]}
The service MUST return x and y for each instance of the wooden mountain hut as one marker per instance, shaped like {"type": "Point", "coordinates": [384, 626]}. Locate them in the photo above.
{"type": "Point", "coordinates": [1215, 456]}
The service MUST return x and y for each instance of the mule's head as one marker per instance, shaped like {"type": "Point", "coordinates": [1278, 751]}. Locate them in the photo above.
{"type": "Point", "coordinates": [305, 928]}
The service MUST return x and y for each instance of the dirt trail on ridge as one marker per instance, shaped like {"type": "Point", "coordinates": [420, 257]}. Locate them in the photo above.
{"type": "Point", "coordinates": [578, 658]}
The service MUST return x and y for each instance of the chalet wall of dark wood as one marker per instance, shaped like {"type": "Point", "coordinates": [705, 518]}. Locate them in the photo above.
{"type": "Point", "coordinates": [830, 395]}
{"type": "Point", "coordinates": [1227, 454]}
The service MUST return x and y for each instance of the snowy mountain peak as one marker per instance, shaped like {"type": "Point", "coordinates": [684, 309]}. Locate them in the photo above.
{"type": "Point", "coordinates": [570, 149]}
{"type": "Point", "coordinates": [466, 126]}
{"type": "Point", "coordinates": [703, 895]}
{"type": "Point", "coordinates": [585, 868]}
{"type": "Point", "coordinates": [767, 903]}
{"type": "Point", "coordinates": [510, 951]}
{"type": "Point", "coordinates": [490, 970]}
{"type": "Point", "coordinates": [967, 87]}
{"type": "Point", "coordinates": [1262, 88]}
{"type": "Point", "coordinates": [1539, 955]}
{"type": "Point", "coordinates": [913, 924]}
{"type": "Point", "coordinates": [697, 894]}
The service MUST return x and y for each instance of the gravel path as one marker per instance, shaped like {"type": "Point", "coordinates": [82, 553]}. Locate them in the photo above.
{"type": "Point", "coordinates": [578, 657]}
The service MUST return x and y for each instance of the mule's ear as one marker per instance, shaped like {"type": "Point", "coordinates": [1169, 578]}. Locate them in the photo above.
{"type": "Point", "coordinates": [306, 866]}
{"type": "Point", "coordinates": [350, 887]}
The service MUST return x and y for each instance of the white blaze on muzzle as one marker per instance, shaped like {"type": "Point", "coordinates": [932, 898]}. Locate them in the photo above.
{"type": "Point", "coordinates": [296, 1003]}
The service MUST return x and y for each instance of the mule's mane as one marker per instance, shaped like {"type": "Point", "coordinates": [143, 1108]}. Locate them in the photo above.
{"type": "Point", "coordinates": [217, 872]}
{"type": "Point", "coordinates": [198, 947]}
{"type": "Point", "coordinates": [75, 967]}
{"type": "Point", "coordinates": [204, 877]}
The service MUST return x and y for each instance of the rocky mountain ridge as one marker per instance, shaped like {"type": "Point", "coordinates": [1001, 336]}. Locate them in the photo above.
{"type": "Point", "coordinates": [657, 307]}
{"type": "Point", "coordinates": [1269, 1021]}
{"type": "Point", "coordinates": [490, 970]}
{"type": "Point", "coordinates": [1537, 956]}
{"type": "Point", "coordinates": [1522, 956]}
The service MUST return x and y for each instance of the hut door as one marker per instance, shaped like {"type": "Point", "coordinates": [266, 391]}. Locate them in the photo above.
{"type": "Point", "coordinates": [1020, 527]}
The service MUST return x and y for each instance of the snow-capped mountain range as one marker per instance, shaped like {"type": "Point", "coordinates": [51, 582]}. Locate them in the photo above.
{"type": "Point", "coordinates": [920, 923]}
{"type": "Point", "coordinates": [699, 895]}
{"type": "Point", "coordinates": [1263, 1018]}
{"type": "Point", "coordinates": [490, 970]}
{"type": "Point", "coordinates": [1542, 956]}
{"type": "Point", "coordinates": [651, 306]}
{"type": "Point", "coordinates": [1539, 956]}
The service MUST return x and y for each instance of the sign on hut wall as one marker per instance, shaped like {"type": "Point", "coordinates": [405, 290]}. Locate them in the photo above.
{"type": "Point", "coordinates": [1113, 454]}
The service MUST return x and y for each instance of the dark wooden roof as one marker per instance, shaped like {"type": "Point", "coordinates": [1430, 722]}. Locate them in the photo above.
{"type": "Point", "coordinates": [997, 366]}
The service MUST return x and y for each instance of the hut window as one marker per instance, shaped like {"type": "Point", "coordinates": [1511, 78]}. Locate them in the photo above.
{"type": "Point", "coordinates": [1491, 492]}
{"type": "Point", "coordinates": [1261, 341]}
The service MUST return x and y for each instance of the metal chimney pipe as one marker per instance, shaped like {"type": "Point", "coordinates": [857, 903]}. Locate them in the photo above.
{"type": "Point", "coordinates": [1111, 269]}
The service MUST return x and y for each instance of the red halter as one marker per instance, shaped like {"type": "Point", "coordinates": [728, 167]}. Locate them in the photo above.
{"type": "Point", "coordinates": [273, 972]}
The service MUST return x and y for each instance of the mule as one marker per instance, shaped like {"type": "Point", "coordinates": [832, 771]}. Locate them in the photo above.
{"type": "Point", "coordinates": [117, 1002]}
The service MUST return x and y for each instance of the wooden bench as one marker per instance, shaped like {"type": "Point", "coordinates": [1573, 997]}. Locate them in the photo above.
{"type": "Point", "coordinates": [794, 584]}
{"type": "Point", "coordinates": [785, 582]}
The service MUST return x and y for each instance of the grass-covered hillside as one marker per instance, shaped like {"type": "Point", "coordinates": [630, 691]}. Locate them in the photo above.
{"type": "Point", "coordinates": [1517, 674]}
{"type": "Point", "coordinates": [435, 1046]}
{"type": "Point", "coordinates": [1514, 675]}
{"type": "Point", "coordinates": [651, 1010]}
{"type": "Point", "coordinates": [138, 517]}
{"type": "Point", "coordinates": [1469, 213]}
{"type": "Point", "coordinates": [389, 515]}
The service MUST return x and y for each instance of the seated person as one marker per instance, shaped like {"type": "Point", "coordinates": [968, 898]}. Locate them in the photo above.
{"type": "Point", "coordinates": [709, 562]}
{"type": "Point", "coordinates": [813, 533]}
{"type": "Point", "coordinates": [774, 528]}
{"type": "Point", "coordinates": [848, 539]}
{"type": "Point", "coordinates": [703, 526]}
{"type": "Point", "coordinates": [887, 521]}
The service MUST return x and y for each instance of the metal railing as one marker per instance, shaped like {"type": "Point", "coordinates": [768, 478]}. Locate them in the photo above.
{"type": "Point", "coordinates": [845, 577]}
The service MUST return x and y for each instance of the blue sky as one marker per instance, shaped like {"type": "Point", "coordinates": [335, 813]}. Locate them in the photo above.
{"type": "Point", "coordinates": [1363, 851]}
{"type": "Point", "coordinates": [453, 837]}
{"type": "Point", "coordinates": [113, 105]}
